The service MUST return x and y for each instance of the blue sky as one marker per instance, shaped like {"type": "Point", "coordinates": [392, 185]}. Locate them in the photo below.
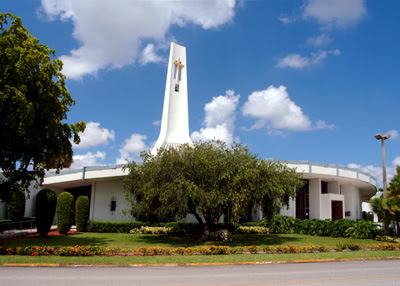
{"type": "Point", "coordinates": [294, 80]}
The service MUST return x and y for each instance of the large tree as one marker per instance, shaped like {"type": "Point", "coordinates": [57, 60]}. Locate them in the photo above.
{"type": "Point", "coordinates": [206, 180]}
{"type": "Point", "coordinates": [34, 102]}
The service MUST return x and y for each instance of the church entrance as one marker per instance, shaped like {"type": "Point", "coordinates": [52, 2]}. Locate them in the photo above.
{"type": "Point", "coordinates": [337, 210]}
{"type": "Point", "coordinates": [302, 202]}
{"type": "Point", "coordinates": [80, 191]}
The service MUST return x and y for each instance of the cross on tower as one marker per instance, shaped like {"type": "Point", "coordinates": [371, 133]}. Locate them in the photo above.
{"type": "Point", "coordinates": [178, 65]}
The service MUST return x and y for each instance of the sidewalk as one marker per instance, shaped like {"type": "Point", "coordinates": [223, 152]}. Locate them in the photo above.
{"type": "Point", "coordinates": [23, 232]}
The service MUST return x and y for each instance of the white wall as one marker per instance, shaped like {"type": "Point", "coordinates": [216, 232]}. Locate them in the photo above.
{"type": "Point", "coordinates": [314, 197]}
{"type": "Point", "coordinates": [326, 205]}
{"type": "Point", "coordinates": [291, 211]}
{"type": "Point", "coordinates": [352, 201]}
{"type": "Point", "coordinates": [102, 193]}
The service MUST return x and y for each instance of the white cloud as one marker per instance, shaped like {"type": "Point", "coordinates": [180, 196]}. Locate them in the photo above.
{"type": "Point", "coordinates": [376, 172]}
{"type": "Point", "coordinates": [94, 136]}
{"type": "Point", "coordinates": [131, 148]}
{"type": "Point", "coordinates": [394, 133]}
{"type": "Point", "coordinates": [112, 34]}
{"type": "Point", "coordinates": [148, 55]}
{"type": "Point", "coordinates": [274, 110]}
{"type": "Point", "coordinates": [219, 119]}
{"type": "Point", "coordinates": [157, 123]}
{"type": "Point", "coordinates": [297, 61]}
{"type": "Point", "coordinates": [396, 161]}
{"type": "Point", "coordinates": [88, 159]}
{"type": "Point", "coordinates": [322, 40]}
{"type": "Point", "coordinates": [285, 19]}
{"type": "Point", "coordinates": [335, 13]}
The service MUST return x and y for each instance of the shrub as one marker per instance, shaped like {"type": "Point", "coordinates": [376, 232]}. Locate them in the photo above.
{"type": "Point", "coordinates": [363, 229]}
{"type": "Point", "coordinates": [114, 227]}
{"type": "Point", "coordinates": [16, 206]}
{"type": "Point", "coordinates": [152, 230]}
{"type": "Point", "coordinates": [340, 226]}
{"type": "Point", "coordinates": [82, 213]}
{"type": "Point", "coordinates": [281, 224]}
{"type": "Point", "coordinates": [65, 212]}
{"type": "Point", "coordinates": [320, 227]}
{"type": "Point", "coordinates": [252, 229]}
{"type": "Point", "coordinates": [45, 206]}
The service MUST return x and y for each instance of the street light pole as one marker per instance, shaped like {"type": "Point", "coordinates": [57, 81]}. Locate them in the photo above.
{"type": "Point", "coordinates": [381, 137]}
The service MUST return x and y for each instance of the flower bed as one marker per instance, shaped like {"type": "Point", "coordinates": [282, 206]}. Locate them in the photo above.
{"type": "Point", "coordinates": [78, 250]}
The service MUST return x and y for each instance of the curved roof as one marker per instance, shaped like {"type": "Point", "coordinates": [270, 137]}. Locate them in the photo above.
{"type": "Point", "coordinates": [365, 182]}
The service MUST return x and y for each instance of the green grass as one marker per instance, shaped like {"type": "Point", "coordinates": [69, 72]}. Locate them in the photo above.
{"type": "Point", "coordinates": [147, 240]}
{"type": "Point", "coordinates": [195, 258]}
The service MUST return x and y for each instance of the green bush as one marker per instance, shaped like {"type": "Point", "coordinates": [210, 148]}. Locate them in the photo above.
{"type": "Point", "coordinates": [65, 212]}
{"type": "Point", "coordinates": [281, 224]}
{"type": "Point", "coordinates": [252, 229]}
{"type": "Point", "coordinates": [152, 230]}
{"type": "Point", "coordinates": [114, 227]}
{"type": "Point", "coordinates": [45, 206]}
{"type": "Point", "coordinates": [16, 206]}
{"type": "Point", "coordinates": [320, 227]}
{"type": "Point", "coordinates": [82, 213]}
{"type": "Point", "coordinates": [363, 229]}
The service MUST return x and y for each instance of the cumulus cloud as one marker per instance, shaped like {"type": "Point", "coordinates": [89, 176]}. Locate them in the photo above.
{"type": "Point", "coordinates": [335, 13]}
{"type": "Point", "coordinates": [149, 56]}
{"type": "Point", "coordinates": [376, 172]}
{"type": "Point", "coordinates": [94, 135]}
{"type": "Point", "coordinates": [131, 148]}
{"type": "Point", "coordinates": [319, 41]}
{"type": "Point", "coordinates": [394, 133]}
{"type": "Point", "coordinates": [297, 61]}
{"type": "Point", "coordinates": [396, 161]}
{"type": "Point", "coordinates": [88, 159]}
{"type": "Point", "coordinates": [112, 34]}
{"type": "Point", "coordinates": [219, 119]}
{"type": "Point", "coordinates": [274, 110]}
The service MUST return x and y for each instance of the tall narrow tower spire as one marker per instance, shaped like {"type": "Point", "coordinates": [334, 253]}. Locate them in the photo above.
{"type": "Point", "coordinates": [175, 117]}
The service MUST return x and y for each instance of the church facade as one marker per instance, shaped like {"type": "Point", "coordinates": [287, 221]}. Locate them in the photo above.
{"type": "Point", "coordinates": [330, 192]}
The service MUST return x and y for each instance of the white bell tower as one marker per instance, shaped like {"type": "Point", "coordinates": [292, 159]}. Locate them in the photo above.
{"type": "Point", "coordinates": [175, 116]}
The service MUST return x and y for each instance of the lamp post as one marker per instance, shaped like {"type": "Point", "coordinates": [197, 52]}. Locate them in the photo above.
{"type": "Point", "coordinates": [381, 137]}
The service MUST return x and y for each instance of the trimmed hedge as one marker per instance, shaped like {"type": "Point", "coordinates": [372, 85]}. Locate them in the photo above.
{"type": "Point", "coordinates": [16, 206]}
{"type": "Point", "coordinates": [338, 228]}
{"type": "Point", "coordinates": [45, 206]}
{"type": "Point", "coordinates": [82, 213]}
{"type": "Point", "coordinates": [65, 212]}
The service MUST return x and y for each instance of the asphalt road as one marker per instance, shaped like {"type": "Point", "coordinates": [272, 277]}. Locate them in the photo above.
{"type": "Point", "coordinates": [382, 272]}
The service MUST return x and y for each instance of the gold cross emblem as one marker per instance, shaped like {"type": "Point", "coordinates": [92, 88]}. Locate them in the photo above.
{"type": "Point", "coordinates": [178, 65]}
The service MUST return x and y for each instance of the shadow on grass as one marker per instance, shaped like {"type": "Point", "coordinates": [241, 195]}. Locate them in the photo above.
{"type": "Point", "coordinates": [57, 241]}
{"type": "Point", "coordinates": [237, 240]}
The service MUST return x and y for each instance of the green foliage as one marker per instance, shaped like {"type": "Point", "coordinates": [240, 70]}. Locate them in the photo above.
{"type": "Point", "coordinates": [340, 226]}
{"type": "Point", "coordinates": [16, 206]}
{"type": "Point", "coordinates": [363, 229]}
{"type": "Point", "coordinates": [206, 180]}
{"type": "Point", "coordinates": [45, 206]}
{"type": "Point", "coordinates": [282, 224]}
{"type": "Point", "coordinates": [34, 103]}
{"type": "Point", "coordinates": [65, 212]}
{"type": "Point", "coordinates": [82, 208]}
{"type": "Point", "coordinates": [152, 230]}
{"type": "Point", "coordinates": [320, 227]}
{"type": "Point", "coordinates": [114, 227]}
{"type": "Point", "coordinates": [252, 229]}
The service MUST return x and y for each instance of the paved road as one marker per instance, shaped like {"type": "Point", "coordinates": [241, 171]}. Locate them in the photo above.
{"type": "Point", "coordinates": [383, 272]}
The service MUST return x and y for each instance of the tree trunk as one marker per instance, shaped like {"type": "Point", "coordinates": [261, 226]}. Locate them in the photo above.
{"type": "Point", "coordinates": [199, 220]}
{"type": "Point", "coordinates": [385, 223]}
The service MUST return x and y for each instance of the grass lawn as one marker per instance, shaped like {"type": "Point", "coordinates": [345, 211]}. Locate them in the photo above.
{"type": "Point", "coordinates": [146, 240]}
{"type": "Point", "coordinates": [239, 258]}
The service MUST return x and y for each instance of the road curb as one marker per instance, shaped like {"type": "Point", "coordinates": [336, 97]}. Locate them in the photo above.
{"type": "Point", "coordinates": [195, 264]}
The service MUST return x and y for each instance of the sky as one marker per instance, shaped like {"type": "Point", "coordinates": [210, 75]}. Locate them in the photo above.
{"type": "Point", "coordinates": [300, 80]}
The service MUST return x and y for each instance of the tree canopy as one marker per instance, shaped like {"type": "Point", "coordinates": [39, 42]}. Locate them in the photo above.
{"type": "Point", "coordinates": [206, 180]}
{"type": "Point", "coordinates": [34, 102]}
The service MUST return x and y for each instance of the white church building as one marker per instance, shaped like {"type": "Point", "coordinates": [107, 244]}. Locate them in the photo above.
{"type": "Point", "coordinates": [331, 191]}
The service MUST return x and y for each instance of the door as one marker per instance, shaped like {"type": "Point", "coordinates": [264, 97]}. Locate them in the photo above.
{"type": "Point", "coordinates": [337, 210]}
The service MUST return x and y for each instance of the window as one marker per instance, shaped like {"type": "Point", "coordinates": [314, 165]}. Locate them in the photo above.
{"type": "Point", "coordinates": [324, 187]}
